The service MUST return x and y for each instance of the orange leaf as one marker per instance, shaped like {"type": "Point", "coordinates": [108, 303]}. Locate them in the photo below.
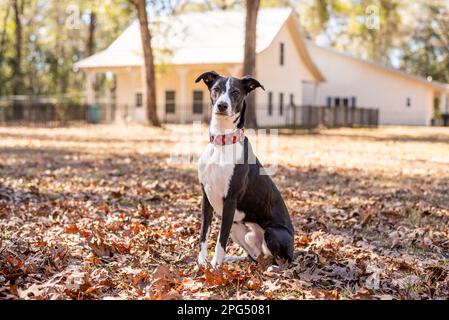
{"type": "Point", "coordinates": [71, 229]}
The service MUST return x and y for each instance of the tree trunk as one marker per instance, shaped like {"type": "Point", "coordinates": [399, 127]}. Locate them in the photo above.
{"type": "Point", "coordinates": [91, 38]}
{"type": "Point", "coordinates": [17, 84]}
{"type": "Point", "coordinates": [2, 46]}
{"type": "Point", "coordinates": [249, 62]}
{"type": "Point", "coordinates": [149, 62]}
{"type": "Point", "coordinates": [3, 35]}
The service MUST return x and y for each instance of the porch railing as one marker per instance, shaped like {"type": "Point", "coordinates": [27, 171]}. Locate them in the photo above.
{"type": "Point", "coordinates": [293, 116]}
{"type": "Point", "coordinates": [51, 113]}
{"type": "Point", "coordinates": [315, 116]}
{"type": "Point", "coordinates": [46, 112]}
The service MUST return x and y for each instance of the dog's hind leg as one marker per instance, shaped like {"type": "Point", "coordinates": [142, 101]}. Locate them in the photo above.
{"type": "Point", "coordinates": [280, 242]}
{"type": "Point", "coordinates": [240, 234]}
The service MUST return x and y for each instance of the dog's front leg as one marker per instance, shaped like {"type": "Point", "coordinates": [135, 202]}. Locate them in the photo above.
{"type": "Point", "coordinates": [227, 218]}
{"type": "Point", "coordinates": [207, 210]}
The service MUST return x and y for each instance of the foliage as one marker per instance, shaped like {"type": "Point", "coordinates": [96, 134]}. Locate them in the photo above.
{"type": "Point", "coordinates": [428, 51]}
{"type": "Point", "coordinates": [346, 25]}
{"type": "Point", "coordinates": [55, 35]}
{"type": "Point", "coordinates": [410, 35]}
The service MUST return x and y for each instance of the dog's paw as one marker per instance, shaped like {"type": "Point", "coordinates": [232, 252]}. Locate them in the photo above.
{"type": "Point", "coordinates": [202, 260]}
{"type": "Point", "coordinates": [216, 261]}
{"type": "Point", "coordinates": [219, 256]}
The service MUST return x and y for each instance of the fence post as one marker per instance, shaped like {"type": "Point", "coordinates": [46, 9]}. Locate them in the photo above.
{"type": "Point", "coordinates": [294, 118]}
{"type": "Point", "coordinates": [322, 110]}
{"type": "Point", "coordinates": [350, 117]}
{"type": "Point", "coordinates": [309, 116]}
{"type": "Point", "coordinates": [346, 116]}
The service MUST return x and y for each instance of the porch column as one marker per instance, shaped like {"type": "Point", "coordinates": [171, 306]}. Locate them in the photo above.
{"type": "Point", "coordinates": [90, 91]}
{"type": "Point", "coordinates": [131, 112]}
{"type": "Point", "coordinates": [444, 104]}
{"type": "Point", "coordinates": [315, 92]}
{"type": "Point", "coordinates": [108, 105]}
{"type": "Point", "coordinates": [183, 99]}
{"type": "Point", "coordinates": [122, 98]}
{"type": "Point", "coordinates": [144, 94]}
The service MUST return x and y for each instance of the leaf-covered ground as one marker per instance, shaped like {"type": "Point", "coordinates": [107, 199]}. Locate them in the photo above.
{"type": "Point", "coordinates": [100, 212]}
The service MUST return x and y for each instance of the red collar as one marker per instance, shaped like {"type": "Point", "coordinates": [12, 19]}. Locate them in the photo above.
{"type": "Point", "coordinates": [229, 138]}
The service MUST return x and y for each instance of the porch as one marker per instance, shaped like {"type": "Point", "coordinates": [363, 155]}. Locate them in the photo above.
{"type": "Point", "coordinates": [121, 99]}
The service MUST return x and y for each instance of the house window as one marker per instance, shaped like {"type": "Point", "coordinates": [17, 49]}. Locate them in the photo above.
{"type": "Point", "coordinates": [197, 102]}
{"type": "Point", "coordinates": [409, 102]}
{"type": "Point", "coordinates": [353, 102]}
{"type": "Point", "coordinates": [337, 102]}
{"type": "Point", "coordinates": [270, 103]}
{"type": "Point", "coordinates": [169, 102]}
{"type": "Point", "coordinates": [139, 100]}
{"type": "Point", "coordinates": [281, 53]}
{"type": "Point", "coordinates": [281, 103]}
{"type": "Point", "coordinates": [328, 101]}
{"type": "Point", "coordinates": [345, 102]}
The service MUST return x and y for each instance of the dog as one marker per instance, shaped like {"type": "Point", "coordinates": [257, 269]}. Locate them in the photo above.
{"type": "Point", "coordinates": [247, 201]}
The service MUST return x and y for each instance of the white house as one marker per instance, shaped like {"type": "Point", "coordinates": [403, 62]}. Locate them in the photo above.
{"type": "Point", "coordinates": [293, 71]}
{"type": "Point", "coordinates": [401, 98]}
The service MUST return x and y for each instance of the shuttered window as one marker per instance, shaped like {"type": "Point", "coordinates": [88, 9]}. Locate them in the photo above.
{"type": "Point", "coordinates": [270, 103]}
{"type": "Point", "coordinates": [281, 53]}
{"type": "Point", "coordinates": [139, 100]}
{"type": "Point", "coordinates": [198, 102]}
{"type": "Point", "coordinates": [281, 103]}
{"type": "Point", "coordinates": [170, 101]}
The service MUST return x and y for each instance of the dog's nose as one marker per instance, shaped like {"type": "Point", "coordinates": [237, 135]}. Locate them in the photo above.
{"type": "Point", "coordinates": [222, 106]}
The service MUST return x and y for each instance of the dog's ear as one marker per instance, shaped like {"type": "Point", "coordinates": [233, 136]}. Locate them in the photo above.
{"type": "Point", "coordinates": [249, 84]}
{"type": "Point", "coordinates": [208, 78]}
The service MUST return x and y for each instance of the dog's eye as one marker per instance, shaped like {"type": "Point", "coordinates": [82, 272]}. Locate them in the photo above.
{"type": "Point", "coordinates": [215, 90]}
{"type": "Point", "coordinates": [235, 93]}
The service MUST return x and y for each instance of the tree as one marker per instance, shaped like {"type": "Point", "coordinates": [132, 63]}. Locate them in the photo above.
{"type": "Point", "coordinates": [3, 34]}
{"type": "Point", "coordinates": [427, 51]}
{"type": "Point", "coordinates": [3, 38]}
{"type": "Point", "coordinates": [17, 79]}
{"type": "Point", "coordinates": [150, 79]}
{"type": "Point", "coordinates": [249, 61]}
{"type": "Point", "coordinates": [347, 27]}
{"type": "Point", "coordinates": [91, 34]}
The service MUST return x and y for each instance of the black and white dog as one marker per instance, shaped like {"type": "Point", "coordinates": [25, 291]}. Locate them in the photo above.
{"type": "Point", "coordinates": [250, 206]}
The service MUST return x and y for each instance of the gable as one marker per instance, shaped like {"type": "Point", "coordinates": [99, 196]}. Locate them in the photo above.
{"type": "Point", "coordinates": [201, 38]}
{"type": "Point", "coordinates": [301, 47]}
{"type": "Point", "coordinates": [329, 60]}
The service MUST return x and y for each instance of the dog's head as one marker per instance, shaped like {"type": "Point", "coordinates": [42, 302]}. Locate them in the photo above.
{"type": "Point", "coordinates": [227, 95]}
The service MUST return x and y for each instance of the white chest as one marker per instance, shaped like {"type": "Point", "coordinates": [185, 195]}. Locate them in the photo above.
{"type": "Point", "coordinates": [215, 170]}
